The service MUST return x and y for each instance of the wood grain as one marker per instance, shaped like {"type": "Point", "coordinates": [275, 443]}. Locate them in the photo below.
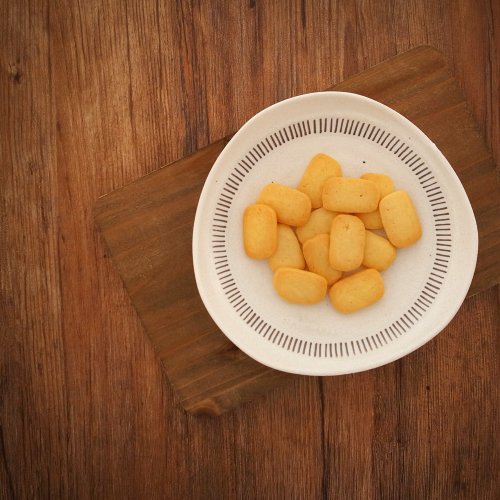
{"type": "Point", "coordinates": [94, 95]}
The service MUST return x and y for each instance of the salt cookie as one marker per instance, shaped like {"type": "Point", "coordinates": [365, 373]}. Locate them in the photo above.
{"type": "Point", "coordinates": [347, 242]}
{"type": "Point", "coordinates": [357, 291]}
{"type": "Point", "coordinates": [319, 222]}
{"type": "Point", "coordinates": [299, 287]}
{"type": "Point", "coordinates": [400, 219]}
{"type": "Point", "coordinates": [379, 252]}
{"type": "Point", "coordinates": [383, 182]}
{"type": "Point", "coordinates": [351, 195]}
{"type": "Point", "coordinates": [288, 253]}
{"type": "Point", "coordinates": [320, 168]}
{"type": "Point", "coordinates": [260, 231]}
{"type": "Point", "coordinates": [372, 220]}
{"type": "Point", "coordinates": [292, 207]}
{"type": "Point", "coordinates": [316, 252]}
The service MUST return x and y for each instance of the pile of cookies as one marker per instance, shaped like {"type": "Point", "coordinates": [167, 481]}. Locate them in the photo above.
{"type": "Point", "coordinates": [325, 225]}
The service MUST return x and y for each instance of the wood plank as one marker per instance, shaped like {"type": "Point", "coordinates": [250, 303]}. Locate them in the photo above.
{"type": "Point", "coordinates": [107, 134]}
{"type": "Point", "coordinates": [30, 297]}
{"type": "Point", "coordinates": [148, 225]}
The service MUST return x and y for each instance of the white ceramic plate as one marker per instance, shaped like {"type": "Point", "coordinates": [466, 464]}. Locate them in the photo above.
{"type": "Point", "coordinates": [426, 284]}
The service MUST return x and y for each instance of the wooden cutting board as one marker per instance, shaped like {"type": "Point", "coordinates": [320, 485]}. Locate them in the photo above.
{"type": "Point", "coordinates": [147, 227]}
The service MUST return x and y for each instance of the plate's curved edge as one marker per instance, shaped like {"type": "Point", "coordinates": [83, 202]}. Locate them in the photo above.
{"type": "Point", "coordinates": [377, 363]}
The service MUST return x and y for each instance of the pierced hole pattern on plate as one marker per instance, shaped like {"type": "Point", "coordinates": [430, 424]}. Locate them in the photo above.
{"type": "Point", "coordinates": [409, 159]}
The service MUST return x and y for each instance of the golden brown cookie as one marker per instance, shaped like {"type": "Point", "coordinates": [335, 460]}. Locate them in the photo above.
{"type": "Point", "coordinates": [379, 252]}
{"type": "Point", "coordinates": [316, 252]}
{"type": "Point", "coordinates": [357, 291]}
{"type": "Point", "coordinates": [260, 231]}
{"type": "Point", "coordinates": [350, 195]}
{"type": "Point", "coordinates": [292, 207]}
{"type": "Point", "coordinates": [320, 168]}
{"type": "Point", "coordinates": [288, 253]}
{"type": "Point", "coordinates": [320, 222]}
{"type": "Point", "coordinates": [372, 220]}
{"type": "Point", "coordinates": [347, 242]}
{"type": "Point", "coordinates": [400, 219]}
{"type": "Point", "coordinates": [299, 287]}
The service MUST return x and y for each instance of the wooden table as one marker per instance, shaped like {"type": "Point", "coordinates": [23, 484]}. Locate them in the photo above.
{"type": "Point", "coordinates": [94, 95]}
